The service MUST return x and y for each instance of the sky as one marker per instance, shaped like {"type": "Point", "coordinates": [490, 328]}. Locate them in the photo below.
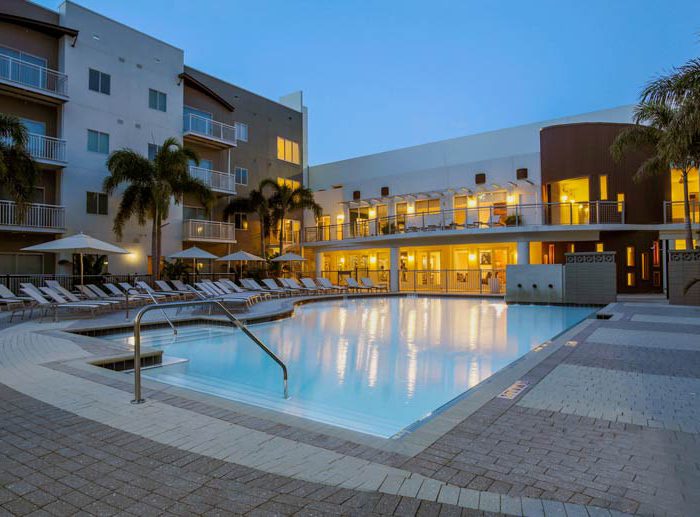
{"type": "Point", "coordinates": [379, 75]}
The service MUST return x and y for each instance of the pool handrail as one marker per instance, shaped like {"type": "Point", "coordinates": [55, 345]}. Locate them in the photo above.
{"type": "Point", "coordinates": [138, 399]}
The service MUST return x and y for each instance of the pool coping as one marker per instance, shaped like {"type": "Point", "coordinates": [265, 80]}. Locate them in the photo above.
{"type": "Point", "coordinates": [408, 442]}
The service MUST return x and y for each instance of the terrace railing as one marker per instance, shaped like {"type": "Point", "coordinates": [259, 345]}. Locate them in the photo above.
{"type": "Point", "coordinates": [209, 128]}
{"type": "Point", "coordinates": [23, 73]}
{"type": "Point", "coordinates": [40, 216]}
{"type": "Point", "coordinates": [215, 180]}
{"type": "Point", "coordinates": [43, 147]}
{"type": "Point", "coordinates": [212, 231]}
{"type": "Point", "coordinates": [487, 217]}
{"type": "Point", "coordinates": [674, 212]}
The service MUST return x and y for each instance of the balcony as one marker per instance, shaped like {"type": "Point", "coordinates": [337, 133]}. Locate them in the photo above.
{"type": "Point", "coordinates": [208, 231]}
{"type": "Point", "coordinates": [208, 132]}
{"type": "Point", "coordinates": [484, 218]}
{"type": "Point", "coordinates": [37, 218]}
{"type": "Point", "coordinates": [47, 149]}
{"type": "Point", "coordinates": [289, 238]}
{"type": "Point", "coordinates": [20, 77]}
{"type": "Point", "coordinates": [215, 180]}
{"type": "Point", "coordinates": [674, 212]}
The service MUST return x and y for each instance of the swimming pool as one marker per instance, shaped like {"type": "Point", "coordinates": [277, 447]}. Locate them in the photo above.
{"type": "Point", "coordinates": [374, 365]}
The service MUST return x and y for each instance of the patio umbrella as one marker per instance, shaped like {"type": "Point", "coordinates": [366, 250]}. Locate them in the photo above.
{"type": "Point", "coordinates": [81, 244]}
{"type": "Point", "coordinates": [289, 257]}
{"type": "Point", "coordinates": [193, 253]}
{"type": "Point", "coordinates": [241, 256]}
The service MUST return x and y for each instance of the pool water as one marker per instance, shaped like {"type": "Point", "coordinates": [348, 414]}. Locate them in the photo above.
{"type": "Point", "coordinates": [374, 365]}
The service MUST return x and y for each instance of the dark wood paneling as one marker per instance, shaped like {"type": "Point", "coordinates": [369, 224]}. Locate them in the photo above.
{"type": "Point", "coordinates": [583, 150]}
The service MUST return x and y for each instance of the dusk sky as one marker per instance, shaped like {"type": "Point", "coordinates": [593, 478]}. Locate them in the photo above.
{"type": "Point", "coordinates": [382, 75]}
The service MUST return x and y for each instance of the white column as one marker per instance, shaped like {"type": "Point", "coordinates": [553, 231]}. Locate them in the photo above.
{"type": "Point", "coordinates": [318, 256]}
{"type": "Point", "coordinates": [523, 252]}
{"type": "Point", "coordinates": [394, 269]}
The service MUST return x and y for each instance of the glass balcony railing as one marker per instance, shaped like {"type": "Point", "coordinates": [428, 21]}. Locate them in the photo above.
{"type": "Point", "coordinates": [210, 231]}
{"type": "Point", "coordinates": [215, 180]}
{"type": "Point", "coordinates": [208, 128]}
{"type": "Point", "coordinates": [25, 74]}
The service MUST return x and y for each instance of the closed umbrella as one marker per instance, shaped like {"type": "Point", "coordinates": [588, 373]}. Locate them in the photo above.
{"type": "Point", "coordinates": [193, 253]}
{"type": "Point", "coordinates": [241, 256]}
{"type": "Point", "coordinates": [81, 244]}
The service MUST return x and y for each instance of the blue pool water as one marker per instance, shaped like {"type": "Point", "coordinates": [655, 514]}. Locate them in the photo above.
{"type": "Point", "coordinates": [374, 365]}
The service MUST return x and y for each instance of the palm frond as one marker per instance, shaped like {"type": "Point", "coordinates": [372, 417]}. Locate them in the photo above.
{"type": "Point", "coordinates": [656, 165]}
{"type": "Point", "coordinates": [633, 138]}
{"type": "Point", "coordinates": [136, 201]}
{"type": "Point", "coordinates": [12, 130]}
{"type": "Point", "coordinates": [127, 166]}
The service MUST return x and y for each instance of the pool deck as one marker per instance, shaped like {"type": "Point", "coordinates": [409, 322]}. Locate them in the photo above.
{"type": "Point", "coordinates": [608, 423]}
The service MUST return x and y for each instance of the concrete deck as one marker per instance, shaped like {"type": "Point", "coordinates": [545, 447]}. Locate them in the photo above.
{"type": "Point", "coordinates": [608, 424]}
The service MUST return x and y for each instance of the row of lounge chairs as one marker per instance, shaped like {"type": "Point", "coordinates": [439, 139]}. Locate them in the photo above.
{"type": "Point", "coordinates": [53, 297]}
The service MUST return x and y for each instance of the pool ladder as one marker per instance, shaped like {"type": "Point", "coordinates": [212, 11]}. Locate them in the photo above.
{"type": "Point", "coordinates": [138, 399]}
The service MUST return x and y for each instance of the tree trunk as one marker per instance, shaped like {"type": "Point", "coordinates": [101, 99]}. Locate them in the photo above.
{"type": "Point", "coordinates": [281, 232]}
{"type": "Point", "coordinates": [159, 243]}
{"type": "Point", "coordinates": [154, 241]}
{"type": "Point", "coordinates": [686, 209]}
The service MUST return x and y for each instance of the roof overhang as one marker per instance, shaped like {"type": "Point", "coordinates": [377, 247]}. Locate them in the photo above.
{"type": "Point", "coordinates": [199, 85]}
{"type": "Point", "coordinates": [50, 29]}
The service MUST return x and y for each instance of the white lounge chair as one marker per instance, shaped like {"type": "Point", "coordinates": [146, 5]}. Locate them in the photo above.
{"type": "Point", "coordinates": [352, 284]}
{"type": "Point", "coordinates": [42, 302]}
{"type": "Point", "coordinates": [6, 294]}
{"type": "Point", "coordinates": [327, 283]}
{"type": "Point", "coordinates": [165, 287]}
{"type": "Point", "coordinates": [275, 287]}
{"type": "Point", "coordinates": [149, 290]}
{"type": "Point", "coordinates": [310, 284]}
{"type": "Point", "coordinates": [211, 291]}
{"type": "Point", "coordinates": [369, 283]}
{"type": "Point", "coordinates": [133, 295]}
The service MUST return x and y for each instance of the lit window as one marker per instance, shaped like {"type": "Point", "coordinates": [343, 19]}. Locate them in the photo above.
{"type": "Point", "coordinates": [620, 202]}
{"type": "Point", "coordinates": [629, 256]}
{"type": "Point", "coordinates": [96, 203]}
{"type": "Point", "coordinates": [99, 82]}
{"type": "Point", "coordinates": [240, 221]}
{"type": "Point", "coordinates": [645, 265]}
{"type": "Point", "coordinates": [288, 150]}
{"type": "Point", "coordinates": [157, 100]}
{"type": "Point", "coordinates": [286, 182]}
{"type": "Point", "coordinates": [656, 254]}
{"type": "Point", "coordinates": [603, 187]}
{"type": "Point", "coordinates": [241, 131]}
{"type": "Point", "coordinates": [241, 175]}
{"type": "Point", "coordinates": [572, 248]}
{"type": "Point", "coordinates": [631, 279]}
{"type": "Point", "coordinates": [98, 142]}
{"type": "Point", "coordinates": [428, 206]}
{"type": "Point", "coordinates": [599, 247]}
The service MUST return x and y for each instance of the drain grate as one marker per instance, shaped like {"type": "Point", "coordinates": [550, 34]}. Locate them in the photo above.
{"type": "Point", "coordinates": [513, 390]}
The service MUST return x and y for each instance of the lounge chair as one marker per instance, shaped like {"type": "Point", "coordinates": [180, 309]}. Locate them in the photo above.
{"type": "Point", "coordinates": [133, 295]}
{"type": "Point", "coordinates": [165, 287]}
{"type": "Point", "coordinates": [6, 294]}
{"type": "Point", "coordinates": [327, 283]}
{"type": "Point", "coordinates": [292, 283]}
{"type": "Point", "coordinates": [213, 292]}
{"type": "Point", "coordinates": [57, 298]}
{"type": "Point", "coordinates": [275, 287]}
{"type": "Point", "coordinates": [253, 285]}
{"type": "Point", "coordinates": [149, 290]}
{"type": "Point", "coordinates": [310, 284]}
{"type": "Point", "coordinates": [369, 283]}
{"type": "Point", "coordinates": [42, 302]}
{"type": "Point", "coordinates": [229, 291]}
{"type": "Point", "coordinates": [92, 292]}
{"type": "Point", "coordinates": [352, 284]}
{"type": "Point", "coordinates": [71, 297]}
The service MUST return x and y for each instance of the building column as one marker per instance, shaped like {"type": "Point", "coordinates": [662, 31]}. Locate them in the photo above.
{"type": "Point", "coordinates": [394, 269]}
{"type": "Point", "coordinates": [523, 252]}
{"type": "Point", "coordinates": [318, 256]}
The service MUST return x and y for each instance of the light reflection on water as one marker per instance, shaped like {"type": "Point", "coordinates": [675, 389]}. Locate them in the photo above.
{"type": "Point", "coordinates": [373, 365]}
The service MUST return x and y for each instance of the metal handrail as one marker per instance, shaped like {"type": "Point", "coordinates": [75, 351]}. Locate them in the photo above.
{"type": "Point", "coordinates": [138, 399]}
{"type": "Point", "coordinates": [165, 315]}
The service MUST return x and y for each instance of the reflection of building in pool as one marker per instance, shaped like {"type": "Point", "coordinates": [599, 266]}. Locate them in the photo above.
{"type": "Point", "coordinates": [451, 215]}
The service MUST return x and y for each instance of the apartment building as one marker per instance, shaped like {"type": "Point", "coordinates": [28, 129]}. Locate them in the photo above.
{"type": "Point", "coordinates": [85, 86]}
{"type": "Point", "coordinates": [451, 215]}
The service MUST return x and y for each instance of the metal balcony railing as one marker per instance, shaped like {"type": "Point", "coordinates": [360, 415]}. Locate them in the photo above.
{"type": "Point", "coordinates": [484, 218]}
{"type": "Point", "coordinates": [215, 180]}
{"type": "Point", "coordinates": [50, 217]}
{"type": "Point", "coordinates": [23, 73]}
{"type": "Point", "coordinates": [674, 212]}
{"type": "Point", "coordinates": [48, 148]}
{"type": "Point", "coordinates": [212, 231]}
{"type": "Point", "coordinates": [208, 128]}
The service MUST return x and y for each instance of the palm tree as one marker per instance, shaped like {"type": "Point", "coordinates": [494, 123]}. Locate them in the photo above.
{"type": "Point", "coordinates": [150, 186]}
{"type": "Point", "coordinates": [286, 199]}
{"type": "Point", "coordinates": [18, 172]}
{"type": "Point", "coordinates": [655, 128]}
{"type": "Point", "coordinates": [256, 203]}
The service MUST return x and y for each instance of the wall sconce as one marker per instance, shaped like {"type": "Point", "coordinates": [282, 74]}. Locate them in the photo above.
{"type": "Point", "coordinates": [471, 202]}
{"type": "Point", "coordinates": [411, 209]}
{"type": "Point", "coordinates": [510, 199]}
{"type": "Point", "coordinates": [372, 213]}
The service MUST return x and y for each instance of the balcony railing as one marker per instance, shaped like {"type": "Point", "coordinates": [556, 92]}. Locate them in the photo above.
{"type": "Point", "coordinates": [210, 129]}
{"type": "Point", "coordinates": [23, 73]}
{"type": "Point", "coordinates": [288, 237]}
{"type": "Point", "coordinates": [212, 231]}
{"type": "Point", "coordinates": [487, 217]}
{"type": "Point", "coordinates": [49, 217]}
{"type": "Point", "coordinates": [674, 212]}
{"type": "Point", "coordinates": [46, 148]}
{"type": "Point", "coordinates": [215, 180]}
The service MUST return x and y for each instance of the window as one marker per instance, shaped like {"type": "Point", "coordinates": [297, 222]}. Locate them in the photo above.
{"type": "Point", "coordinates": [286, 182]}
{"type": "Point", "coordinates": [241, 175]}
{"type": "Point", "coordinates": [195, 212]}
{"type": "Point", "coordinates": [656, 253]}
{"type": "Point", "coordinates": [287, 150]}
{"type": "Point", "coordinates": [603, 178]}
{"type": "Point", "coordinates": [631, 279]}
{"type": "Point", "coordinates": [572, 248]}
{"type": "Point", "coordinates": [620, 202]}
{"type": "Point", "coordinates": [22, 263]}
{"type": "Point", "coordinates": [98, 142]}
{"type": "Point", "coordinates": [629, 256]}
{"type": "Point", "coordinates": [241, 131]}
{"type": "Point", "coordinates": [157, 100]}
{"type": "Point", "coordinates": [645, 265]}
{"type": "Point", "coordinates": [99, 81]}
{"type": "Point", "coordinates": [240, 221]}
{"type": "Point", "coordinates": [599, 247]}
{"type": "Point", "coordinates": [30, 75]}
{"type": "Point", "coordinates": [428, 206]}
{"type": "Point", "coordinates": [33, 126]}
{"type": "Point", "coordinates": [153, 151]}
{"type": "Point", "coordinates": [96, 203]}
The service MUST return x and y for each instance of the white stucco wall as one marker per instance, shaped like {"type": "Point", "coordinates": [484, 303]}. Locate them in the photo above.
{"type": "Point", "coordinates": [136, 62]}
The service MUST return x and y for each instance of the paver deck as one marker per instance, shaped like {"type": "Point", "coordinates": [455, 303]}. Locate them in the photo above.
{"type": "Point", "coordinates": [608, 423]}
